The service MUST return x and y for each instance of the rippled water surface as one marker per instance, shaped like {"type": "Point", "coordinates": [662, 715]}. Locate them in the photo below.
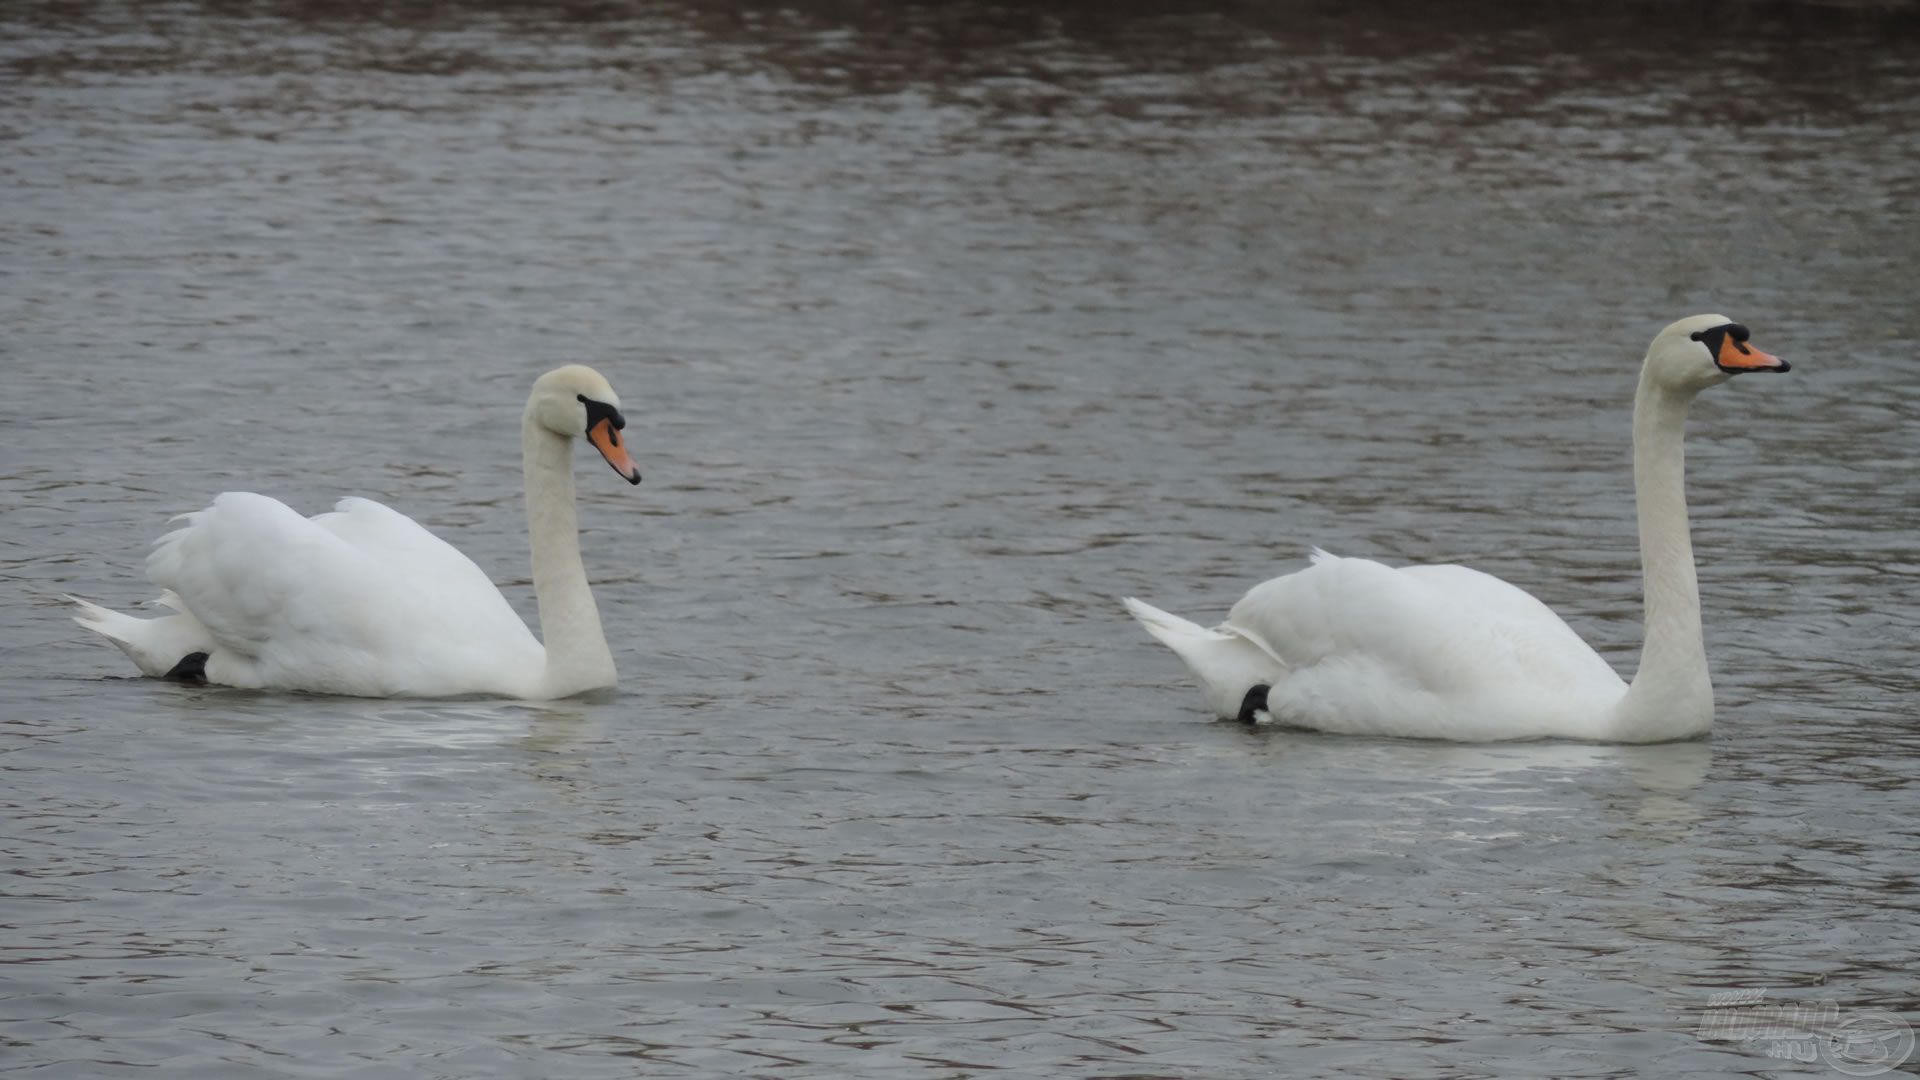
{"type": "Point", "coordinates": [940, 328]}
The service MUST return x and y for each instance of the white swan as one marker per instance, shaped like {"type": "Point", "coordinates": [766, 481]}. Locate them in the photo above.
{"type": "Point", "coordinates": [366, 601]}
{"type": "Point", "coordinates": [1444, 652]}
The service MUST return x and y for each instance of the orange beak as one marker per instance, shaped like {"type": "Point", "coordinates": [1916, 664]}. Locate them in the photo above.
{"type": "Point", "coordinates": [606, 439]}
{"type": "Point", "coordinates": [1736, 357]}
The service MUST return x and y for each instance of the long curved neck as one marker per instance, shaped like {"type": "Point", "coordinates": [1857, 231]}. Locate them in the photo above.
{"type": "Point", "coordinates": [577, 654]}
{"type": "Point", "coordinates": [1672, 694]}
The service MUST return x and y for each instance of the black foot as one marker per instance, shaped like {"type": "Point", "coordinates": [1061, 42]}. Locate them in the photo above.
{"type": "Point", "coordinates": [1253, 704]}
{"type": "Point", "coordinates": [192, 668]}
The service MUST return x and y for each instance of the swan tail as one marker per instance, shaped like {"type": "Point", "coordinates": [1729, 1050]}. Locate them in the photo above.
{"type": "Point", "coordinates": [1229, 665]}
{"type": "Point", "coordinates": [157, 646]}
{"type": "Point", "coordinates": [1171, 630]}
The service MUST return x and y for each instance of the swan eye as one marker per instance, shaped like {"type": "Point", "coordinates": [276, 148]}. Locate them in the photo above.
{"type": "Point", "coordinates": [1728, 345]}
{"type": "Point", "coordinates": [1716, 339]}
{"type": "Point", "coordinates": [600, 410]}
{"type": "Point", "coordinates": [1733, 329]}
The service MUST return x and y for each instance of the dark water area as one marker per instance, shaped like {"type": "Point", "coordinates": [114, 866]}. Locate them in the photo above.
{"type": "Point", "coordinates": [940, 327]}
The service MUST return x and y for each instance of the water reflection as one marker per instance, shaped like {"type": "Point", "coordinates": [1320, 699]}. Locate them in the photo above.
{"type": "Point", "coordinates": [1505, 791]}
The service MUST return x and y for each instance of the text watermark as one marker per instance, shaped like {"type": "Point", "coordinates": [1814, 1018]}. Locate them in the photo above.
{"type": "Point", "coordinates": [1854, 1042]}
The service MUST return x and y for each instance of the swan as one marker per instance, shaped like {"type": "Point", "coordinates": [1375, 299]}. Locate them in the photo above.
{"type": "Point", "coordinates": [365, 601]}
{"type": "Point", "coordinates": [1445, 652]}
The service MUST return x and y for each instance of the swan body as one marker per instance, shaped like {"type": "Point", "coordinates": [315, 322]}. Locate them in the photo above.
{"type": "Point", "coordinates": [366, 601]}
{"type": "Point", "coordinates": [1352, 646]}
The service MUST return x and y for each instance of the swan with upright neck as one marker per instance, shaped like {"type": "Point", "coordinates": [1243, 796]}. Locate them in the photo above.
{"type": "Point", "coordinates": [365, 601]}
{"type": "Point", "coordinates": [1445, 652]}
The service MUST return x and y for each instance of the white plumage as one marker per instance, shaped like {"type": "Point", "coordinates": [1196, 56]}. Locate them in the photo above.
{"type": "Point", "coordinates": [1352, 646]}
{"type": "Point", "coordinates": [366, 601]}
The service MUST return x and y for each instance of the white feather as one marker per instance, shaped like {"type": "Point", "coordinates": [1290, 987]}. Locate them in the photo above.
{"type": "Point", "coordinates": [366, 601]}
{"type": "Point", "coordinates": [361, 601]}
{"type": "Point", "coordinates": [1226, 662]}
{"type": "Point", "coordinates": [1447, 652]}
{"type": "Point", "coordinates": [1434, 651]}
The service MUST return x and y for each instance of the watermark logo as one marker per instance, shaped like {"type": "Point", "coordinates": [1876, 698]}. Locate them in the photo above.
{"type": "Point", "coordinates": [1859, 1042]}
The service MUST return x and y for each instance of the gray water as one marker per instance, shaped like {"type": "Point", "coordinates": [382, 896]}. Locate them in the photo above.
{"type": "Point", "coordinates": [939, 329]}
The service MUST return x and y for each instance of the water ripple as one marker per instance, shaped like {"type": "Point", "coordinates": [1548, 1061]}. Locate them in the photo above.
{"type": "Point", "coordinates": [941, 327]}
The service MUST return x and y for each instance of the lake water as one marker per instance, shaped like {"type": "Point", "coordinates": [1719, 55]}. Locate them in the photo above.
{"type": "Point", "coordinates": [939, 329]}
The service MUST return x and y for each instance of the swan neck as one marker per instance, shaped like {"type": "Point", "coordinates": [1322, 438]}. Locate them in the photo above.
{"type": "Point", "coordinates": [577, 657]}
{"type": "Point", "coordinates": [1672, 694]}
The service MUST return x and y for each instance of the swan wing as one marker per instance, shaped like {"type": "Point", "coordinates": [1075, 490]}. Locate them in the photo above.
{"type": "Point", "coordinates": [1463, 588]}
{"type": "Point", "coordinates": [405, 544]}
{"type": "Point", "coordinates": [1437, 651]}
{"type": "Point", "coordinates": [362, 600]}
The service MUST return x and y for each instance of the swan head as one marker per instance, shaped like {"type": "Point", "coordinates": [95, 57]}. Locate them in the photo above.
{"type": "Point", "coordinates": [1705, 350]}
{"type": "Point", "coordinates": [576, 402]}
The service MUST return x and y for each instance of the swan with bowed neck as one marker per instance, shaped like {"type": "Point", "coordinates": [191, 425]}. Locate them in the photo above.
{"type": "Point", "coordinates": [1444, 652]}
{"type": "Point", "coordinates": [365, 601]}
